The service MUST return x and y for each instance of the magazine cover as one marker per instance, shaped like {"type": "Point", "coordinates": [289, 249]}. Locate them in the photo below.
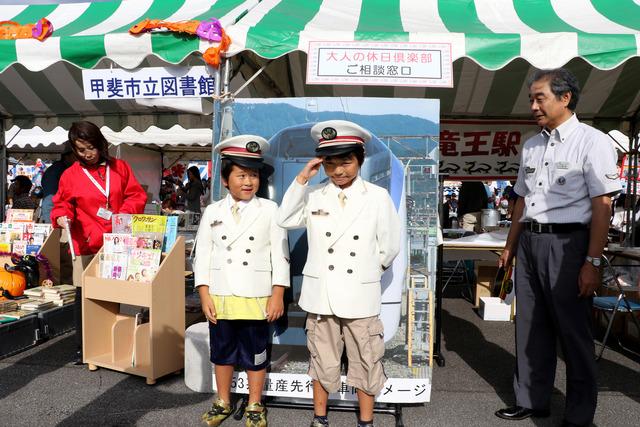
{"type": "Point", "coordinates": [32, 249]}
{"type": "Point", "coordinates": [113, 266]}
{"type": "Point", "coordinates": [121, 223]}
{"type": "Point", "coordinates": [14, 231]}
{"type": "Point", "coordinates": [118, 243]}
{"type": "Point", "coordinates": [20, 247]}
{"type": "Point", "coordinates": [20, 215]}
{"type": "Point", "coordinates": [148, 224]}
{"type": "Point", "coordinates": [171, 233]}
{"type": "Point", "coordinates": [143, 264]}
{"type": "Point", "coordinates": [148, 240]}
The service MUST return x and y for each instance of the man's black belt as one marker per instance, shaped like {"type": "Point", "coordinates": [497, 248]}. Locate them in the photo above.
{"type": "Point", "coordinates": [557, 228]}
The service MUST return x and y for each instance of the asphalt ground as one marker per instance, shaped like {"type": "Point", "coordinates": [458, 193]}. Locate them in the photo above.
{"type": "Point", "coordinates": [39, 387]}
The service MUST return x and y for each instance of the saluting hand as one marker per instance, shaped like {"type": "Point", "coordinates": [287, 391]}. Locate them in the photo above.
{"type": "Point", "coordinates": [309, 171]}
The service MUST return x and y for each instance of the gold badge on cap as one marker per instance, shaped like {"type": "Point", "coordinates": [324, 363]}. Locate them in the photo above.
{"type": "Point", "coordinates": [252, 147]}
{"type": "Point", "coordinates": [329, 133]}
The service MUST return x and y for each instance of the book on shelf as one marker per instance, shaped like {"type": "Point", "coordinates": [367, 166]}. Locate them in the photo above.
{"type": "Point", "coordinates": [5, 247]}
{"type": "Point", "coordinates": [170, 233]}
{"type": "Point", "coordinates": [148, 224]}
{"type": "Point", "coordinates": [19, 215]}
{"type": "Point", "coordinates": [143, 264]}
{"type": "Point", "coordinates": [121, 223]}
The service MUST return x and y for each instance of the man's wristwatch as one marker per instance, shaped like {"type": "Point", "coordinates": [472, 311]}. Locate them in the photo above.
{"type": "Point", "coordinates": [596, 262]}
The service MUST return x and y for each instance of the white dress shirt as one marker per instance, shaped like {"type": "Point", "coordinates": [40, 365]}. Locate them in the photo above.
{"type": "Point", "coordinates": [562, 170]}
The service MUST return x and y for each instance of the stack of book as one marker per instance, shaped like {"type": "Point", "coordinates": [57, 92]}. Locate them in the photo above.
{"type": "Point", "coordinates": [134, 249]}
{"type": "Point", "coordinates": [13, 315]}
{"type": "Point", "coordinates": [36, 292]}
{"type": "Point", "coordinates": [8, 305]}
{"type": "Point", "coordinates": [60, 295]}
{"type": "Point", "coordinates": [37, 305]}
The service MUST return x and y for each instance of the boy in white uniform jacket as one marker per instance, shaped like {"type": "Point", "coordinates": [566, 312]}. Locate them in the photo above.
{"type": "Point", "coordinates": [353, 231]}
{"type": "Point", "coordinates": [241, 270]}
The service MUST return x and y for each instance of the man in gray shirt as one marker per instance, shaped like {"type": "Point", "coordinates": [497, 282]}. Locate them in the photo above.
{"type": "Point", "coordinates": [560, 222]}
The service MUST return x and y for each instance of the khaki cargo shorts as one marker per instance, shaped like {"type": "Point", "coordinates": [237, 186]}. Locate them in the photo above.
{"type": "Point", "coordinates": [327, 336]}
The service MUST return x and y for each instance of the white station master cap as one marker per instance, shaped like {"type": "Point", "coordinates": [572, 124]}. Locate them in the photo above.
{"type": "Point", "coordinates": [244, 150]}
{"type": "Point", "coordinates": [336, 137]}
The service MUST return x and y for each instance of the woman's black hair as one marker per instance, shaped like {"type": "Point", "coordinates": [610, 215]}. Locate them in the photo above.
{"type": "Point", "coordinates": [89, 132]}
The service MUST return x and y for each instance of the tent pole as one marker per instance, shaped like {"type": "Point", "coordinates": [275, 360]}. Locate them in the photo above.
{"type": "Point", "coordinates": [3, 170]}
{"type": "Point", "coordinates": [215, 130]}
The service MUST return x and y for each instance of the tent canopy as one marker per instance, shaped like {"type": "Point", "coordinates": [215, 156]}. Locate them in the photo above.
{"type": "Point", "coordinates": [495, 44]}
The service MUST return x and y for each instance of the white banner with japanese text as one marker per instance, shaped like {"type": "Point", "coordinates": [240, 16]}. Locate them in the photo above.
{"type": "Point", "coordinates": [483, 149]}
{"type": "Point", "coordinates": [152, 82]}
{"type": "Point", "coordinates": [396, 390]}
{"type": "Point", "coordinates": [380, 64]}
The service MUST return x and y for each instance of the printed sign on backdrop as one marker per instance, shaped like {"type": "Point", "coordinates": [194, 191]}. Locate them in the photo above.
{"type": "Point", "coordinates": [152, 82]}
{"type": "Point", "coordinates": [406, 390]}
{"type": "Point", "coordinates": [483, 149]}
{"type": "Point", "coordinates": [380, 64]}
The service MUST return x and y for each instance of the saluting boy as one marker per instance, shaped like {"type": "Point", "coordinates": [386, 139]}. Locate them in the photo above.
{"type": "Point", "coordinates": [353, 231]}
{"type": "Point", "coordinates": [241, 270]}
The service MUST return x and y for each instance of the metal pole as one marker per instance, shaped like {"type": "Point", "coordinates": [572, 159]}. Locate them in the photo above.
{"type": "Point", "coordinates": [215, 129]}
{"type": "Point", "coordinates": [3, 170]}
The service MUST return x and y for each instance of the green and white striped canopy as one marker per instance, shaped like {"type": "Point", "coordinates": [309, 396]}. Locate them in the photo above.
{"type": "Point", "coordinates": [546, 33]}
{"type": "Point", "coordinates": [495, 44]}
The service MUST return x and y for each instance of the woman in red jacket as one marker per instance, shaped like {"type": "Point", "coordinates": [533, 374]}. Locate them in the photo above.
{"type": "Point", "coordinates": [90, 192]}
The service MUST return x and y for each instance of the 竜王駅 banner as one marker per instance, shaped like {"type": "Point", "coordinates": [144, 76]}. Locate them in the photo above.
{"type": "Point", "coordinates": [483, 149]}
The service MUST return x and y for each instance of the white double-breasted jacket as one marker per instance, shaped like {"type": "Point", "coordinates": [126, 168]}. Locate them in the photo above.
{"type": "Point", "coordinates": [348, 247]}
{"type": "Point", "coordinates": [244, 259]}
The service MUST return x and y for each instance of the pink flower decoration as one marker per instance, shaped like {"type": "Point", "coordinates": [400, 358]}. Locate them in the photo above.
{"type": "Point", "coordinates": [210, 30]}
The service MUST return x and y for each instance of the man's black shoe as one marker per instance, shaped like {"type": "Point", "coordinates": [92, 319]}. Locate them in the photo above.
{"type": "Point", "coordinates": [520, 413]}
{"type": "Point", "coordinates": [77, 359]}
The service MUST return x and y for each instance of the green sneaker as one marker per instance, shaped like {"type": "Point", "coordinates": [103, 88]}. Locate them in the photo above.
{"type": "Point", "coordinates": [256, 415]}
{"type": "Point", "coordinates": [320, 422]}
{"type": "Point", "coordinates": [219, 412]}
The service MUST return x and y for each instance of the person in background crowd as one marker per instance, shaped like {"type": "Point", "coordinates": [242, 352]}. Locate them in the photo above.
{"type": "Point", "coordinates": [473, 198]}
{"type": "Point", "coordinates": [192, 190]}
{"type": "Point", "coordinates": [350, 245]}
{"type": "Point", "coordinates": [90, 191]}
{"type": "Point", "coordinates": [559, 229]}
{"type": "Point", "coordinates": [22, 194]}
{"type": "Point", "coordinates": [51, 178]}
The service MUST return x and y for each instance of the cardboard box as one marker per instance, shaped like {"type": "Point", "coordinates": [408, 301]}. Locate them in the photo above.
{"type": "Point", "coordinates": [493, 308]}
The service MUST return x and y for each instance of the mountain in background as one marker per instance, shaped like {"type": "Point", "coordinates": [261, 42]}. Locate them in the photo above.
{"type": "Point", "coordinates": [267, 119]}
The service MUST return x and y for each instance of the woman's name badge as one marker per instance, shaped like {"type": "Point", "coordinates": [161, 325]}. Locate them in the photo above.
{"type": "Point", "coordinates": [104, 214]}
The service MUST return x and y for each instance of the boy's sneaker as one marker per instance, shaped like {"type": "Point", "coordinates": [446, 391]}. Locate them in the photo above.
{"type": "Point", "coordinates": [366, 424]}
{"type": "Point", "coordinates": [219, 411]}
{"type": "Point", "coordinates": [320, 422]}
{"type": "Point", "coordinates": [256, 415]}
